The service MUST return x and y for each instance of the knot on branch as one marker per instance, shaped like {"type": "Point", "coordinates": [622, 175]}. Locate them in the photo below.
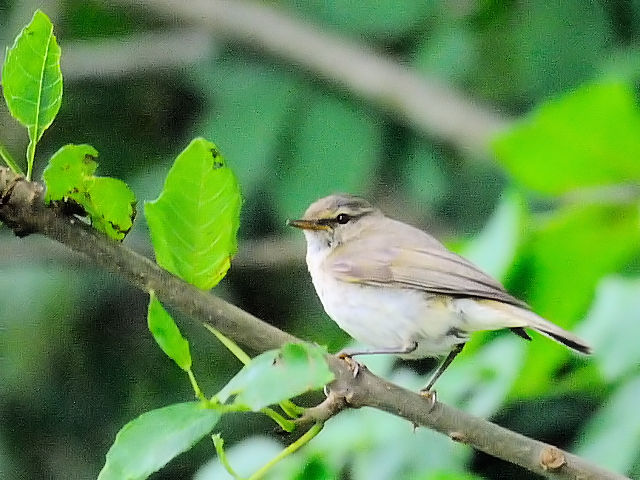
{"type": "Point", "coordinates": [551, 458]}
{"type": "Point", "coordinates": [19, 201]}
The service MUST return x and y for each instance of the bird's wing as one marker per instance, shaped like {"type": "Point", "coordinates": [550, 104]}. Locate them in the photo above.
{"type": "Point", "coordinates": [429, 267]}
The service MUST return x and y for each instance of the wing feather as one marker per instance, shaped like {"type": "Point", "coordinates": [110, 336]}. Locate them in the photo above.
{"type": "Point", "coordinates": [424, 264]}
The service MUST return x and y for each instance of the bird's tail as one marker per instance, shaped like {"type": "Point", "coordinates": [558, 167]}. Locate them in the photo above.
{"type": "Point", "coordinates": [515, 317]}
{"type": "Point", "coordinates": [553, 331]}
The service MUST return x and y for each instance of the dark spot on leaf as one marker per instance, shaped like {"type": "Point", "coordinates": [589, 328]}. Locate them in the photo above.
{"type": "Point", "coordinates": [89, 158]}
{"type": "Point", "coordinates": [217, 160]}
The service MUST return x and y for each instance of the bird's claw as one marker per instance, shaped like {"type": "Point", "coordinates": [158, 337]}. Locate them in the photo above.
{"type": "Point", "coordinates": [353, 365]}
{"type": "Point", "coordinates": [431, 396]}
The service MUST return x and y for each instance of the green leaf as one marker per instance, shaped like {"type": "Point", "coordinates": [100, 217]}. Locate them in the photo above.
{"type": "Point", "coordinates": [32, 80]}
{"type": "Point", "coordinates": [336, 149]}
{"type": "Point", "coordinates": [278, 375]}
{"type": "Point", "coordinates": [147, 443]}
{"type": "Point", "coordinates": [564, 261]}
{"type": "Point", "coordinates": [108, 202]}
{"type": "Point", "coordinates": [195, 219]}
{"type": "Point", "coordinates": [589, 137]}
{"type": "Point", "coordinates": [611, 439]}
{"type": "Point", "coordinates": [613, 327]}
{"type": "Point", "coordinates": [167, 335]}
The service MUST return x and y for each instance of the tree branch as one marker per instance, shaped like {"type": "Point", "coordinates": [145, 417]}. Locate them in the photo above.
{"type": "Point", "coordinates": [135, 54]}
{"type": "Point", "coordinates": [419, 100]}
{"type": "Point", "coordinates": [23, 210]}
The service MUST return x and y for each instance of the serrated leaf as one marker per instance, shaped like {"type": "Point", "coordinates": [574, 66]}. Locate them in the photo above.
{"type": "Point", "coordinates": [278, 375]}
{"type": "Point", "coordinates": [68, 170]}
{"type": "Point", "coordinates": [167, 335]}
{"type": "Point", "coordinates": [147, 443]}
{"type": "Point", "coordinates": [32, 80]}
{"type": "Point", "coordinates": [109, 202]}
{"type": "Point", "coordinates": [589, 137]}
{"type": "Point", "coordinates": [111, 206]}
{"type": "Point", "coordinates": [195, 219]}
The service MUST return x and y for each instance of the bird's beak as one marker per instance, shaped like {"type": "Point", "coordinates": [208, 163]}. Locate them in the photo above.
{"type": "Point", "coordinates": [308, 225]}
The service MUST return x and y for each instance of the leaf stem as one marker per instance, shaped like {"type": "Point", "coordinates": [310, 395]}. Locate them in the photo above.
{"type": "Point", "coordinates": [196, 387]}
{"type": "Point", "coordinates": [291, 409]}
{"type": "Point", "coordinates": [284, 423]}
{"type": "Point", "coordinates": [303, 440]}
{"type": "Point", "coordinates": [31, 155]}
{"type": "Point", "coordinates": [9, 160]}
{"type": "Point", "coordinates": [230, 344]}
{"type": "Point", "coordinates": [218, 442]}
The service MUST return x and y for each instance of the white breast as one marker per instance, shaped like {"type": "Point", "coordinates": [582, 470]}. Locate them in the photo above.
{"type": "Point", "coordinates": [384, 317]}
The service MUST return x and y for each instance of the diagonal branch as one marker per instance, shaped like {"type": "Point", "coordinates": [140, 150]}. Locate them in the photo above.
{"type": "Point", "coordinates": [23, 210]}
{"type": "Point", "coordinates": [421, 101]}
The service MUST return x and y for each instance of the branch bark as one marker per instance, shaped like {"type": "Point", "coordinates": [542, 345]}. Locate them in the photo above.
{"type": "Point", "coordinates": [417, 99]}
{"type": "Point", "coordinates": [23, 210]}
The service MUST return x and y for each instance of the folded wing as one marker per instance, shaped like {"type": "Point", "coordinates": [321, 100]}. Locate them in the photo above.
{"type": "Point", "coordinates": [424, 264]}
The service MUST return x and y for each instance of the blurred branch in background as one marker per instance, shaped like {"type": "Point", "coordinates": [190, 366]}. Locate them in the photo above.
{"type": "Point", "coordinates": [422, 102]}
{"type": "Point", "coordinates": [140, 53]}
{"type": "Point", "coordinates": [267, 253]}
{"type": "Point", "coordinates": [276, 251]}
{"type": "Point", "coordinates": [22, 209]}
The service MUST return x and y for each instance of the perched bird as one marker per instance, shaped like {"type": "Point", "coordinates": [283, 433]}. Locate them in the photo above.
{"type": "Point", "coordinates": [397, 289]}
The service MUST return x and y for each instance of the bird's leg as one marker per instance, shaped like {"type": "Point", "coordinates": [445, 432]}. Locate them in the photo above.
{"type": "Point", "coordinates": [426, 391]}
{"type": "Point", "coordinates": [348, 353]}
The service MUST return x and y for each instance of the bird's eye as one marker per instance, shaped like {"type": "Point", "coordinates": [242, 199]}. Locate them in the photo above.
{"type": "Point", "coordinates": [343, 218]}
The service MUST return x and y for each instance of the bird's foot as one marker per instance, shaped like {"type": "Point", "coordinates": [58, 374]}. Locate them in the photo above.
{"type": "Point", "coordinates": [353, 365]}
{"type": "Point", "coordinates": [431, 396]}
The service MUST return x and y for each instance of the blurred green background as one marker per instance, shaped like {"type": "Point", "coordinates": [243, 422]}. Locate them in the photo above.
{"type": "Point", "coordinates": [528, 163]}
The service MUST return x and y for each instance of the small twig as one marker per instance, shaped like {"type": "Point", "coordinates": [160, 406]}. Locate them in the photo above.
{"type": "Point", "coordinates": [218, 443]}
{"type": "Point", "coordinates": [303, 440]}
{"type": "Point", "coordinates": [196, 388]}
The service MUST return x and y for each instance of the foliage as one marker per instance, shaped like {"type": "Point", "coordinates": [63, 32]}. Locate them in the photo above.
{"type": "Point", "coordinates": [147, 443]}
{"type": "Point", "coordinates": [194, 222]}
{"type": "Point", "coordinates": [193, 225]}
{"type": "Point", "coordinates": [555, 217]}
{"type": "Point", "coordinates": [32, 87]}
{"type": "Point", "coordinates": [32, 81]}
{"type": "Point", "coordinates": [108, 202]}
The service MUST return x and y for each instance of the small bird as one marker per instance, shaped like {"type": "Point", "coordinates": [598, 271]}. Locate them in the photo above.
{"type": "Point", "coordinates": [397, 289]}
